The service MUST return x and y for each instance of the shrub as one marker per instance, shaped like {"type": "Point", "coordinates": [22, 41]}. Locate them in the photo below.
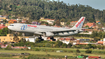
{"type": "Point", "coordinates": [8, 47]}
{"type": "Point", "coordinates": [36, 49]}
{"type": "Point", "coordinates": [47, 45]}
{"type": "Point", "coordinates": [88, 51]}
{"type": "Point", "coordinates": [78, 51]}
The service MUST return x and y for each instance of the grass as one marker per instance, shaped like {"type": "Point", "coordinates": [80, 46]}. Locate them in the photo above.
{"type": "Point", "coordinates": [55, 53]}
{"type": "Point", "coordinates": [8, 58]}
{"type": "Point", "coordinates": [83, 38]}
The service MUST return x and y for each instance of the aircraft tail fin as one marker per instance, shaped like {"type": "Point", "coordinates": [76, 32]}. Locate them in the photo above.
{"type": "Point", "coordinates": [79, 24]}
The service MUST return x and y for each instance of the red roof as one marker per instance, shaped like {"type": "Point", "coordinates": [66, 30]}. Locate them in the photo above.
{"type": "Point", "coordinates": [13, 20]}
{"type": "Point", "coordinates": [67, 39]}
{"type": "Point", "coordinates": [1, 43]}
{"type": "Point", "coordinates": [94, 57]}
{"type": "Point", "coordinates": [62, 38]}
{"type": "Point", "coordinates": [4, 46]}
{"type": "Point", "coordinates": [74, 21]}
{"type": "Point", "coordinates": [100, 42]}
{"type": "Point", "coordinates": [89, 24]}
{"type": "Point", "coordinates": [97, 21]}
{"type": "Point", "coordinates": [18, 47]}
{"type": "Point", "coordinates": [2, 26]}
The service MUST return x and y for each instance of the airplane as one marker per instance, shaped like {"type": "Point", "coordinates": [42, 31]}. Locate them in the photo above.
{"type": "Point", "coordinates": [48, 31]}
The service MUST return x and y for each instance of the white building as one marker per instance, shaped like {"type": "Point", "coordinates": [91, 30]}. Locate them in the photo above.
{"type": "Point", "coordinates": [49, 21]}
{"type": "Point", "coordinates": [31, 39]}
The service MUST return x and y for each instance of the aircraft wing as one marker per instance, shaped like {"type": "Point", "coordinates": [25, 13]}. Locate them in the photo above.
{"type": "Point", "coordinates": [60, 31]}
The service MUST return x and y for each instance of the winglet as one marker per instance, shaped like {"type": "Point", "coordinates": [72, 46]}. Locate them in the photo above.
{"type": "Point", "coordinates": [79, 24]}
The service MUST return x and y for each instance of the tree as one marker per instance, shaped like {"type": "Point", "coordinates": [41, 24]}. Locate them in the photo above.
{"type": "Point", "coordinates": [34, 9]}
{"type": "Point", "coordinates": [23, 40]}
{"type": "Point", "coordinates": [62, 20]}
{"type": "Point", "coordinates": [69, 45]}
{"type": "Point", "coordinates": [48, 45]}
{"type": "Point", "coordinates": [94, 34]}
{"type": "Point", "coordinates": [88, 51]}
{"type": "Point", "coordinates": [57, 22]}
{"type": "Point", "coordinates": [8, 47]}
{"type": "Point", "coordinates": [16, 39]}
{"type": "Point", "coordinates": [96, 38]}
{"type": "Point", "coordinates": [58, 44]}
{"type": "Point", "coordinates": [64, 45]}
{"type": "Point", "coordinates": [68, 22]}
{"type": "Point", "coordinates": [78, 51]}
{"type": "Point", "coordinates": [37, 40]}
{"type": "Point", "coordinates": [5, 42]}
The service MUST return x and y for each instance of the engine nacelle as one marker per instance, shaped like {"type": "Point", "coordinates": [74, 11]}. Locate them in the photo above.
{"type": "Point", "coordinates": [49, 34]}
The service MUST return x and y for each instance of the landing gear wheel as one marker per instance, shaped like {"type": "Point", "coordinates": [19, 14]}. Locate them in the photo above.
{"type": "Point", "coordinates": [52, 38]}
{"type": "Point", "coordinates": [44, 34]}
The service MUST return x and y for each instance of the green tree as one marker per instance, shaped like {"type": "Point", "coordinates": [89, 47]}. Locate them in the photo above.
{"type": "Point", "coordinates": [5, 42]}
{"type": "Point", "coordinates": [62, 20]}
{"type": "Point", "coordinates": [8, 47]}
{"type": "Point", "coordinates": [47, 45]}
{"type": "Point", "coordinates": [34, 9]}
{"type": "Point", "coordinates": [58, 44]}
{"type": "Point", "coordinates": [37, 40]}
{"type": "Point", "coordinates": [78, 51]}
{"type": "Point", "coordinates": [64, 45]}
{"type": "Point", "coordinates": [69, 45]}
{"type": "Point", "coordinates": [88, 51]}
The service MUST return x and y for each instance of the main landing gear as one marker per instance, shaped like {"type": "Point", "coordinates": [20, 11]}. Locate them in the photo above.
{"type": "Point", "coordinates": [52, 38]}
{"type": "Point", "coordinates": [40, 37]}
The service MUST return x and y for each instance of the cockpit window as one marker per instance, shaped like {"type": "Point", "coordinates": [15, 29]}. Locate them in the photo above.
{"type": "Point", "coordinates": [11, 25]}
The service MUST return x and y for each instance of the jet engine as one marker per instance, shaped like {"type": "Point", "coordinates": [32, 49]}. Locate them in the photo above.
{"type": "Point", "coordinates": [48, 34]}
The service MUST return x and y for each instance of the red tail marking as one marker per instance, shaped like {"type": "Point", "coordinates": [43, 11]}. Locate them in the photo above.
{"type": "Point", "coordinates": [79, 22]}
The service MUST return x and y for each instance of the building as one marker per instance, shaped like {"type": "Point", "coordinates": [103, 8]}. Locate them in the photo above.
{"type": "Point", "coordinates": [82, 43]}
{"type": "Point", "coordinates": [36, 23]}
{"type": "Point", "coordinates": [4, 46]}
{"type": "Point", "coordinates": [73, 23]}
{"type": "Point", "coordinates": [62, 23]}
{"type": "Point", "coordinates": [8, 38]}
{"type": "Point", "coordinates": [24, 21]}
{"type": "Point", "coordinates": [49, 21]}
{"type": "Point", "coordinates": [84, 40]}
{"type": "Point", "coordinates": [93, 57]}
{"type": "Point", "coordinates": [101, 42]}
{"type": "Point", "coordinates": [67, 40]}
{"type": "Point", "coordinates": [2, 26]}
{"type": "Point", "coordinates": [31, 39]}
{"type": "Point", "coordinates": [90, 25]}
{"type": "Point", "coordinates": [18, 47]}
{"type": "Point", "coordinates": [98, 22]}
{"type": "Point", "coordinates": [89, 32]}
{"type": "Point", "coordinates": [12, 21]}
{"type": "Point", "coordinates": [7, 24]}
{"type": "Point", "coordinates": [3, 17]}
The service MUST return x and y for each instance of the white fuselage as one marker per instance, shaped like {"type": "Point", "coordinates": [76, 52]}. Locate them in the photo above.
{"type": "Point", "coordinates": [40, 29]}
{"type": "Point", "coordinates": [48, 30]}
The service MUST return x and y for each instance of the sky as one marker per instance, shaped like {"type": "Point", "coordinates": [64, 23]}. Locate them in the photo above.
{"type": "Point", "coordinates": [96, 4]}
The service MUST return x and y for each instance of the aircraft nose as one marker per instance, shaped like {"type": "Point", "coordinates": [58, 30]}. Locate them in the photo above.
{"type": "Point", "coordinates": [9, 27]}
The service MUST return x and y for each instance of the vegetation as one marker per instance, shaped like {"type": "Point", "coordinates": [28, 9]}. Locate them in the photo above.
{"type": "Point", "coordinates": [3, 32]}
{"type": "Point", "coordinates": [8, 47]}
{"type": "Point", "coordinates": [51, 52]}
{"type": "Point", "coordinates": [34, 9]}
{"type": "Point", "coordinates": [78, 51]}
{"type": "Point", "coordinates": [88, 51]}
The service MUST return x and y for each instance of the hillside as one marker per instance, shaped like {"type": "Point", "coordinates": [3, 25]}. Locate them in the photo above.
{"type": "Point", "coordinates": [34, 9]}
